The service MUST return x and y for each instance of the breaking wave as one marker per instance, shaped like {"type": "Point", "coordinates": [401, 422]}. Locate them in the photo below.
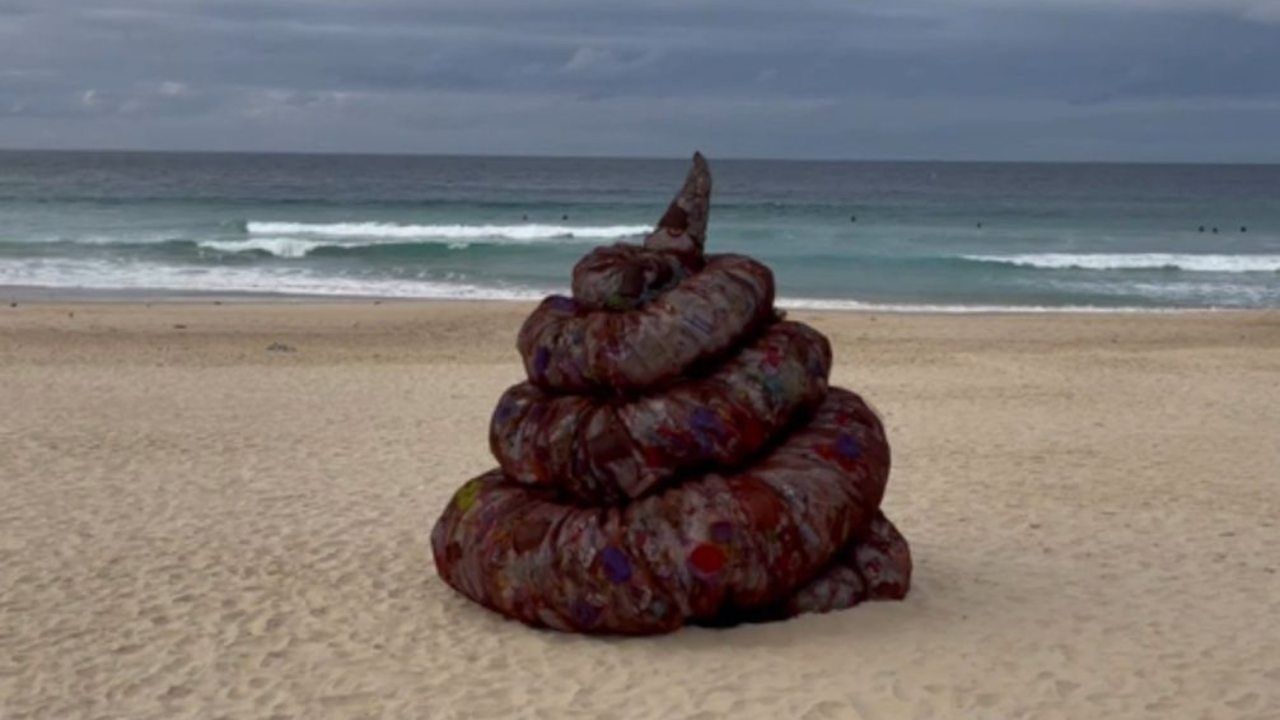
{"type": "Point", "coordinates": [522, 233]}
{"type": "Point", "coordinates": [1137, 261]}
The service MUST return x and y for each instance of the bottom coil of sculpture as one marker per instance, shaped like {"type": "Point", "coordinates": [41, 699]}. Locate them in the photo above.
{"type": "Point", "coordinates": [797, 531]}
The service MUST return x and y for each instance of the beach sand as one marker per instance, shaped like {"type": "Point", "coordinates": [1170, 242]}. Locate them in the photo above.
{"type": "Point", "coordinates": [195, 525]}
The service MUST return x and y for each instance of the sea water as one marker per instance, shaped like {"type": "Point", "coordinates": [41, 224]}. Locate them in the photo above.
{"type": "Point", "coordinates": [914, 235]}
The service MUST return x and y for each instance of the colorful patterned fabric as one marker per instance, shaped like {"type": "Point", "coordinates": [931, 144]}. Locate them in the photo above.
{"type": "Point", "coordinates": [601, 451]}
{"type": "Point", "coordinates": [572, 347]}
{"type": "Point", "coordinates": [622, 276]}
{"type": "Point", "coordinates": [675, 456]}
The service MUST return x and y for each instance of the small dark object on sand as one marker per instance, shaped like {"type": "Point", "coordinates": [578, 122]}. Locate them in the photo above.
{"type": "Point", "coordinates": [71, 314]}
{"type": "Point", "coordinates": [179, 326]}
{"type": "Point", "coordinates": [13, 304]}
{"type": "Point", "coordinates": [281, 347]}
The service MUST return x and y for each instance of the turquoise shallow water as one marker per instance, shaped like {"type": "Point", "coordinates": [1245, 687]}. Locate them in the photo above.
{"type": "Point", "coordinates": [843, 234]}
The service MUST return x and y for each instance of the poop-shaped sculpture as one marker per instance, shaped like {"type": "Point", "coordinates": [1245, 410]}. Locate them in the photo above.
{"type": "Point", "coordinates": [675, 455]}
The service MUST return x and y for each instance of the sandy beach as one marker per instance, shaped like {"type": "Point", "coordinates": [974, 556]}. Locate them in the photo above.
{"type": "Point", "coordinates": [222, 510]}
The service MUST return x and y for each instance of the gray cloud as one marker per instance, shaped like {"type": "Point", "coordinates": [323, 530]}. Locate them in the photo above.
{"type": "Point", "coordinates": [1078, 79]}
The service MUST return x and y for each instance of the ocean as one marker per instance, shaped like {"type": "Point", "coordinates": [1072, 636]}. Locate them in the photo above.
{"type": "Point", "coordinates": [892, 235]}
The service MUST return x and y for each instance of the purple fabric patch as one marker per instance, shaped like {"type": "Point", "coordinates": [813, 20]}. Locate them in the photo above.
{"type": "Point", "coordinates": [585, 614]}
{"type": "Point", "coordinates": [722, 531]}
{"type": "Point", "coordinates": [561, 303]}
{"type": "Point", "coordinates": [541, 360]}
{"type": "Point", "coordinates": [506, 408]}
{"type": "Point", "coordinates": [847, 446]}
{"type": "Point", "coordinates": [617, 567]}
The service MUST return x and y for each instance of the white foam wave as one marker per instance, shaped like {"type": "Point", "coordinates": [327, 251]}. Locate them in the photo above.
{"type": "Point", "coordinates": [144, 276]}
{"type": "Point", "coordinates": [285, 247]}
{"type": "Point", "coordinates": [1138, 261]}
{"type": "Point", "coordinates": [524, 233]}
{"type": "Point", "coordinates": [82, 275]}
{"type": "Point", "coordinates": [1189, 291]}
{"type": "Point", "coordinates": [927, 308]}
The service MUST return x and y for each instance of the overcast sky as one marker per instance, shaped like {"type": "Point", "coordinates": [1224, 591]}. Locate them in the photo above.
{"type": "Point", "coordinates": [1161, 80]}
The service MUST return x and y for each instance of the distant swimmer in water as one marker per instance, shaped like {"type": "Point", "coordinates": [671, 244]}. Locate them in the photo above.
{"type": "Point", "coordinates": [564, 217]}
{"type": "Point", "coordinates": [979, 224]}
{"type": "Point", "coordinates": [853, 218]}
{"type": "Point", "coordinates": [1244, 229]}
{"type": "Point", "coordinates": [1201, 228]}
{"type": "Point", "coordinates": [1215, 231]}
{"type": "Point", "coordinates": [524, 216]}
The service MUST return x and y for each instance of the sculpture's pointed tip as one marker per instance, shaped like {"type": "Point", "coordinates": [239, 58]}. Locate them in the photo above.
{"type": "Point", "coordinates": [684, 225]}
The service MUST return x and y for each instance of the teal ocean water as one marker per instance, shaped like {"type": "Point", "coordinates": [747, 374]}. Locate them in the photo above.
{"type": "Point", "coordinates": [953, 236]}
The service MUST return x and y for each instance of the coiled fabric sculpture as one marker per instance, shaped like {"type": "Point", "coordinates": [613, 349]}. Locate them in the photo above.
{"type": "Point", "coordinates": [675, 455]}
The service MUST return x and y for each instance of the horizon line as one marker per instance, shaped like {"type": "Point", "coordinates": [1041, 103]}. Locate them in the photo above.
{"type": "Point", "coordinates": [537, 156]}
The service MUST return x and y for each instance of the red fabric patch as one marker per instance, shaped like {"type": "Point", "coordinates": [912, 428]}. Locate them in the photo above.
{"type": "Point", "coordinates": [760, 504]}
{"type": "Point", "coordinates": [707, 558]}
